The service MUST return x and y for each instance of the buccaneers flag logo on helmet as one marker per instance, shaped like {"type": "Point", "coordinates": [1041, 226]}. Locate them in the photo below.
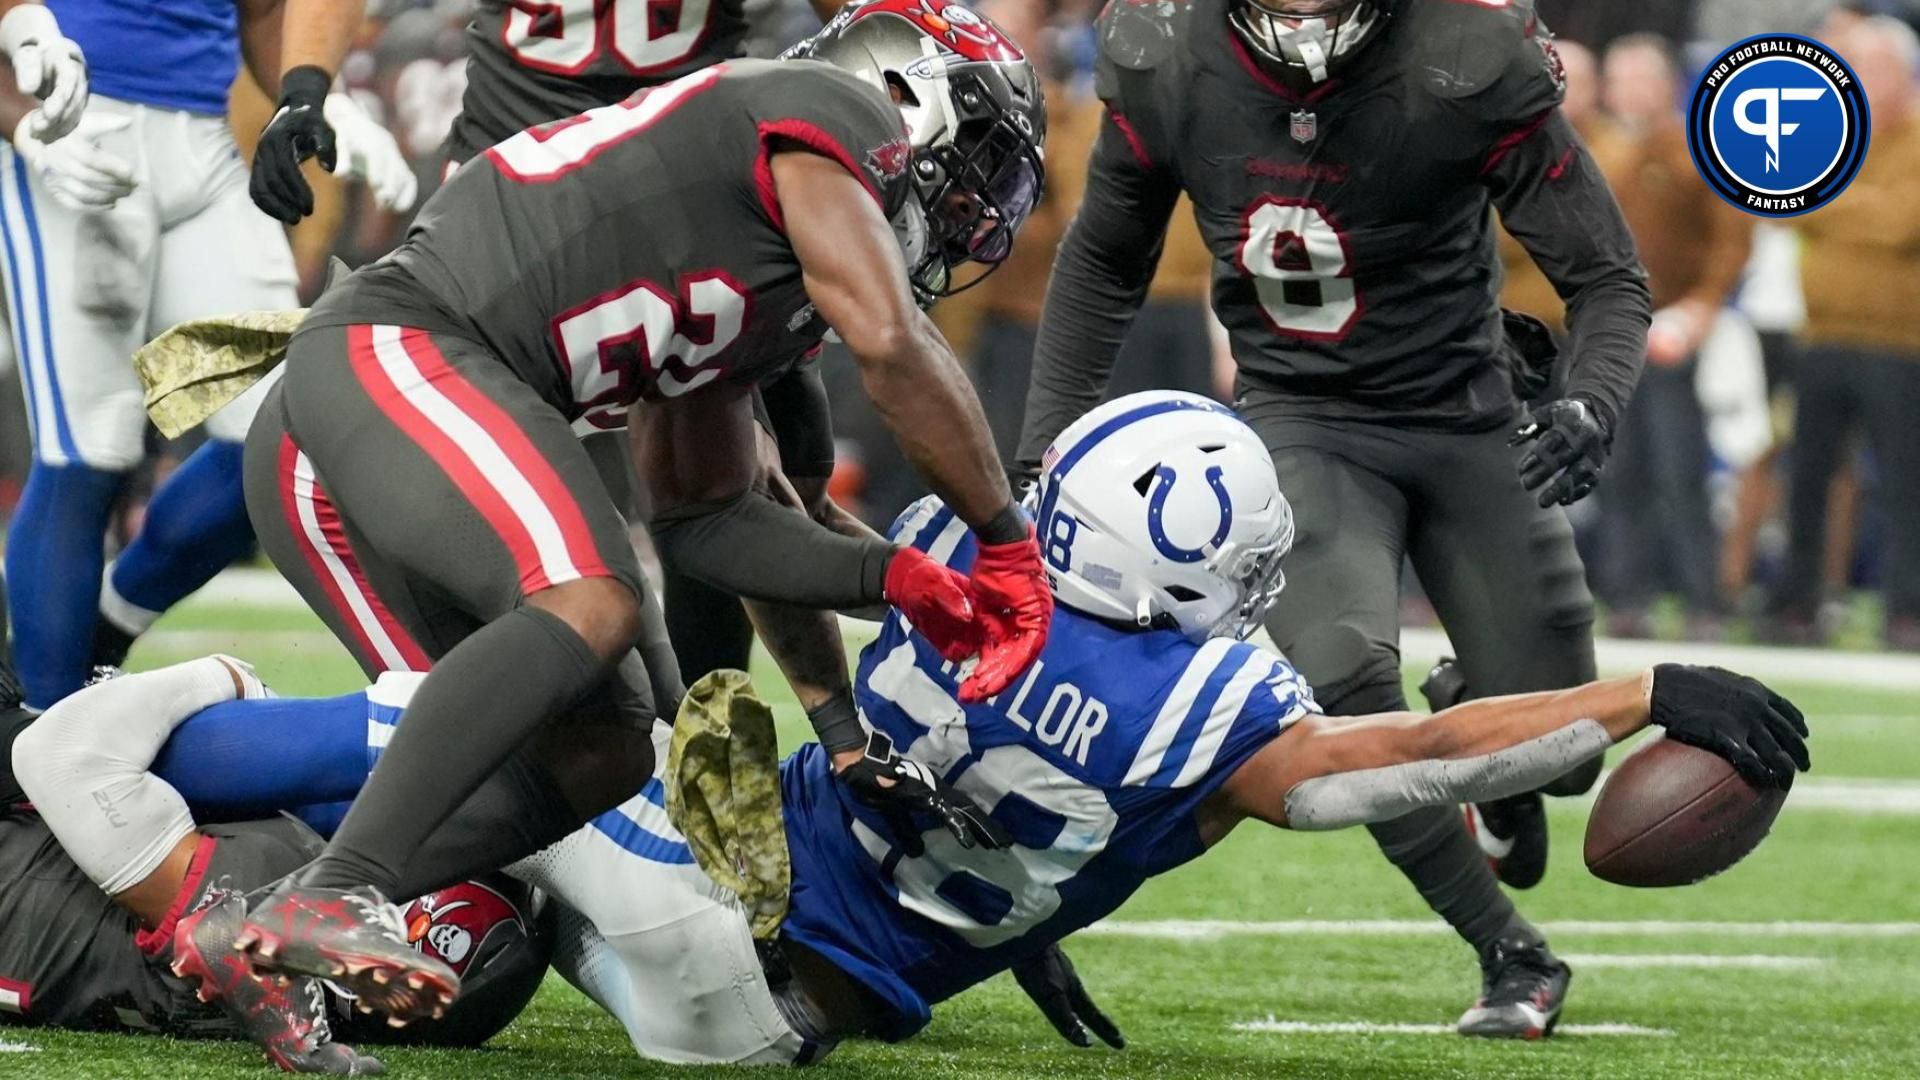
{"type": "Point", "coordinates": [456, 923]}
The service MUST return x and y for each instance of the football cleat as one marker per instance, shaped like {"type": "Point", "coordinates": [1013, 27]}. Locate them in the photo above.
{"type": "Point", "coordinates": [1512, 833]}
{"type": "Point", "coordinates": [1523, 987]}
{"type": "Point", "coordinates": [286, 1017]}
{"type": "Point", "coordinates": [354, 938]}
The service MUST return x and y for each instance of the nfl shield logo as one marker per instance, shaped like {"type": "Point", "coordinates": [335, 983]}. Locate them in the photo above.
{"type": "Point", "coordinates": [1306, 126]}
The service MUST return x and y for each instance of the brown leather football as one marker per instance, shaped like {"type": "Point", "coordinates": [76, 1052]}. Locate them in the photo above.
{"type": "Point", "coordinates": [1672, 814]}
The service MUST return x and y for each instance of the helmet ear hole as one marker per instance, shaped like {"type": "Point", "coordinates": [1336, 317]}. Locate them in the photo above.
{"type": "Point", "coordinates": [1144, 483]}
{"type": "Point", "coordinates": [898, 89]}
{"type": "Point", "coordinates": [1183, 594]}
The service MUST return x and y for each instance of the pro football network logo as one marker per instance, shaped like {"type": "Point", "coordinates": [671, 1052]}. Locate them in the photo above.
{"type": "Point", "coordinates": [1779, 125]}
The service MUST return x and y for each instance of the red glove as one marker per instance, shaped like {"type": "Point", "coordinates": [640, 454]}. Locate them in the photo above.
{"type": "Point", "coordinates": [1010, 590]}
{"type": "Point", "coordinates": [936, 601]}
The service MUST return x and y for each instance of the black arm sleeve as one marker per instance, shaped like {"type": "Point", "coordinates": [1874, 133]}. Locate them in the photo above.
{"type": "Point", "coordinates": [12, 723]}
{"type": "Point", "coordinates": [1554, 200]}
{"type": "Point", "coordinates": [756, 548]}
{"type": "Point", "coordinates": [801, 420]}
{"type": "Point", "coordinates": [1099, 280]}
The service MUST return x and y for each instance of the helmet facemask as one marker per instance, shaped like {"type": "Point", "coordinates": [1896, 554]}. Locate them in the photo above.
{"type": "Point", "coordinates": [1307, 38]}
{"type": "Point", "coordinates": [977, 187]}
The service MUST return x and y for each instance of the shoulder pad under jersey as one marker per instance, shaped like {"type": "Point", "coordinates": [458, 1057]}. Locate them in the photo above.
{"type": "Point", "coordinates": [1139, 35]}
{"type": "Point", "coordinates": [1462, 48]}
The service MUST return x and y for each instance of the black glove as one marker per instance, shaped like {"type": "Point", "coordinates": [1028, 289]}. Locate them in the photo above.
{"type": "Point", "coordinates": [1049, 979]}
{"type": "Point", "coordinates": [298, 131]}
{"type": "Point", "coordinates": [914, 788]}
{"type": "Point", "coordinates": [1570, 448]}
{"type": "Point", "coordinates": [1761, 733]}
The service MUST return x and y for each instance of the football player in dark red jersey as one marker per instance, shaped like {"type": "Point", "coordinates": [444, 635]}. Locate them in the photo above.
{"type": "Point", "coordinates": [417, 476]}
{"type": "Point", "coordinates": [1344, 158]}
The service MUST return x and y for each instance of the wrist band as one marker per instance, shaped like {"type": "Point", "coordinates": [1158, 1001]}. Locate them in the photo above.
{"type": "Point", "coordinates": [1009, 526]}
{"type": "Point", "coordinates": [837, 724]}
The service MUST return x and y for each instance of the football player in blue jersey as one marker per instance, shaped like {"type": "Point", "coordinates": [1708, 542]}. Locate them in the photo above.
{"type": "Point", "coordinates": [136, 220]}
{"type": "Point", "coordinates": [1145, 732]}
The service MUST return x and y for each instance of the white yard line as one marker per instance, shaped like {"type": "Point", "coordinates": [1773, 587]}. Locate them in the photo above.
{"type": "Point", "coordinates": [256, 587]}
{"type": "Point", "coordinates": [1835, 793]}
{"type": "Point", "coordinates": [1694, 960]}
{"type": "Point", "coordinates": [1273, 1026]}
{"type": "Point", "coordinates": [1214, 929]}
{"type": "Point", "coordinates": [17, 1048]}
{"type": "Point", "coordinates": [1878, 671]}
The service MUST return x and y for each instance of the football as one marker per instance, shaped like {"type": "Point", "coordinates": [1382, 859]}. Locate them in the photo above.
{"type": "Point", "coordinates": [1673, 814]}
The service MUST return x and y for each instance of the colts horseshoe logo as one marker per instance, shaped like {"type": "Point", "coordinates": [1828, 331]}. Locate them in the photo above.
{"type": "Point", "coordinates": [1156, 505]}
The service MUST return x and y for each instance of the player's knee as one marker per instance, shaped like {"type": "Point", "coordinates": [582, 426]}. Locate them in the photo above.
{"type": "Point", "coordinates": [60, 748]}
{"type": "Point", "coordinates": [1352, 674]}
{"type": "Point", "coordinates": [604, 611]}
{"type": "Point", "coordinates": [1565, 601]}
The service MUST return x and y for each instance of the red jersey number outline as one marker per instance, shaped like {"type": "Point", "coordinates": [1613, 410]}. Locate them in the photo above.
{"type": "Point", "coordinates": [1274, 224]}
{"type": "Point", "coordinates": [638, 338]}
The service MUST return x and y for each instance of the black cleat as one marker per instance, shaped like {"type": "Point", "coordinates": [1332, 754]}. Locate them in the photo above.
{"type": "Point", "coordinates": [353, 937]}
{"type": "Point", "coordinates": [285, 1017]}
{"type": "Point", "coordinates": [1522, 989]}
{"type": "Point", "coordinates": [1512, 833]}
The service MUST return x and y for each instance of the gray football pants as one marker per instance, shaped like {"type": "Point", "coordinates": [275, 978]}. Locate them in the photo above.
{"type": "Point", "coordinates": [1502, 573]}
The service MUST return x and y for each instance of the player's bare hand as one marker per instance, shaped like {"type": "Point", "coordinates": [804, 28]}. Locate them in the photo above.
{"type": "Point", "coordinates": [1763, 735]}
{"type": "Point", "coordinates": [46, 65]}
{"type": "Point", "coordinates": [1050, 980]}
{"type": "Point", "coordinates": [936, 600]}
{"type": "Point", "coordinates": [899, 787]}
{"type": "Point", "coordinates": [1016, 606]}
{"type": "Point", "coordinates": [1569, 449]}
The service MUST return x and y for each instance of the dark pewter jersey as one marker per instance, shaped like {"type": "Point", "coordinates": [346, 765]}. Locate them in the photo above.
{"type": "Point", "coordinates": [68, 956]}
{"type": "Point", "coordinates": [535, 61]}
{"type": "Point", "coordinates": [1354, 252]}
{"type": "Point", "coordinates": [636, 250]}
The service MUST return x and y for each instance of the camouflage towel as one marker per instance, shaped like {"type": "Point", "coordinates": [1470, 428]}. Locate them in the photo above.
{"type": "Point", "coordinates": [197, 367]}
{"type": "Point", "coordinates": [724, 794]}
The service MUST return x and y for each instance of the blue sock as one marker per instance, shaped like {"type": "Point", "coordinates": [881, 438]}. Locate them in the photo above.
{"type": "Point", "coordinates": [248, 758]}
{"type": "Point", "coordinates": [55, 554]}
{"type": "Point", "coordinates": [195, 527]}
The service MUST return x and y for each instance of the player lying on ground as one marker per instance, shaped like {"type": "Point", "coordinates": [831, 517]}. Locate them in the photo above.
{"type": "Point", "coordinates": [92, 940]}
{"type": "Point", "coordinates": [87, 936]}
{"type": "Point", "coordinates": [418, 477]}
{"type": "Point", "coordinates": [1146, 732]}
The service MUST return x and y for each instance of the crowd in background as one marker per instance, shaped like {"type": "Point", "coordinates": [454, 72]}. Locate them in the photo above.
{"type": "Point", "coordinates": [1767, 471]}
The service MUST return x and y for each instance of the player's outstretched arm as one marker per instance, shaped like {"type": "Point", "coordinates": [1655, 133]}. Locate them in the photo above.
{"type": "Point", "coordinates": [858, 281]}
{"type": "Point", "coordinates": [1330, 773]}
{"type": "Point", "coordinates": [1100, 279]}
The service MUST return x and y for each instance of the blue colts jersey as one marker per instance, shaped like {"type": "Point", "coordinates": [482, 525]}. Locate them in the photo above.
{"type": "Point", "coordinates": [175, 54]}
{"type": "Point", "coordinates": [1095, 762]}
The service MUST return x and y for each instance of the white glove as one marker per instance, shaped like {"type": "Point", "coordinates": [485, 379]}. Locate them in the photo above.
{"type": "Point", "coordinates": [365, 149]}
{"type": "Point", "coordinates": [47, 65]}
{"type": "Point", "coordinates": [77, 170]}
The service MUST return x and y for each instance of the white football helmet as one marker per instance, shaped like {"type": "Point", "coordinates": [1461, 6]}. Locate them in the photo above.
{"type": "Point", "coordinates": [1162, 509]}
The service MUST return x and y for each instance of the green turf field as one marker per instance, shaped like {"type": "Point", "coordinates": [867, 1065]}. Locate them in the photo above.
{"type": "Point", "coordinates": [1287, 932]}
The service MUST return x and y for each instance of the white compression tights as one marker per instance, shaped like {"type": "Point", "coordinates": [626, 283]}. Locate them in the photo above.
{"type": "Point", "coordinates": [84, 765]}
